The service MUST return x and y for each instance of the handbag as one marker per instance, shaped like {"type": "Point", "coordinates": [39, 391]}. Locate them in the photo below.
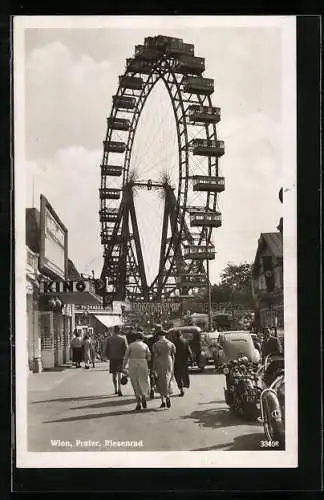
{"type": "Point", "coordinates": [124, 379]}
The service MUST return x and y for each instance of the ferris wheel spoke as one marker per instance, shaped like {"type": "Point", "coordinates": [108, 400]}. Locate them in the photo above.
{"type": "Point", "coordinates": [139, 146]}
{"type": "Point", "coordinates": [154, 141]}
{"type": "Point", "coordinates": [156, 148]}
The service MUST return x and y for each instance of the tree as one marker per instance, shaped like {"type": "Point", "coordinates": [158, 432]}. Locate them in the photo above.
{"type": "Point", "coordinates": [235, 285]}
{"type": "Point", "coordinates": [237, 277]}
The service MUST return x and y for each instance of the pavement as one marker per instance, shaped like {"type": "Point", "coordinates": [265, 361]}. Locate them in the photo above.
{"type": "Point", "coordinates": [75, 410]}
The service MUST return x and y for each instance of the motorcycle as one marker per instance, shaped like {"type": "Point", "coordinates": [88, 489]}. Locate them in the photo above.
{"type": "Point", "coordinates": [272, 399]}
{"type": "Point", "coordinates": [242, 393]}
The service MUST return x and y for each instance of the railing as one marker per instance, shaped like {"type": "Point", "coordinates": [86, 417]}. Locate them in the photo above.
{"type": "Point", "coordinates": [206, 143]}
{"type": "Point", "coordinates": [202, 179]}
{"type": "Point", "coordinates": [196, 81]}
{"type": "Point", "coordinates": [206, 110]}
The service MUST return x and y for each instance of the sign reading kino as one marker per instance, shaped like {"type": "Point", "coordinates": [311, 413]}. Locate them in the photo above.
{"type": "Point", "coordinates": [55, 287]}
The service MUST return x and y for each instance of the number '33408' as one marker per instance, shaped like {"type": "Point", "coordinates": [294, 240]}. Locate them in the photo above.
{"type": "Point", "coordinates": [269, 444]}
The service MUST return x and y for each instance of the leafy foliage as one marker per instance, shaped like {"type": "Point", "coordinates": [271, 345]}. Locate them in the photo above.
{"type": "Point", "coordinates": [235, 285]}
{"type": "Point", "coordinates": [237, 276]}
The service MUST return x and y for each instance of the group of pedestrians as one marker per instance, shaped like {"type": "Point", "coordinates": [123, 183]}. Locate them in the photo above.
{"type": "Point", "coordinates": [151, 365]}
{"type": "Point", "coordinates": [83, 350]}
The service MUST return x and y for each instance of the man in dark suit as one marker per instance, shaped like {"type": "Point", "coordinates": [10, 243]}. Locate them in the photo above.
{"type": "Point", "coordinates": [270, 344]}
{"type": "Point", "coordinates": [115, 349]}
{"type": "Point", "coordinates": [150, 342]}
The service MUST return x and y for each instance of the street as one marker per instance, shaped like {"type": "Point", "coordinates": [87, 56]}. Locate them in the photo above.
{"type": "Point", "coordinates": [75, 410]}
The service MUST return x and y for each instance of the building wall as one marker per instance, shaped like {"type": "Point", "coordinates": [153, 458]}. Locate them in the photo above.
{"type": "Point", "coordinates": [49, 333]}
{"type": "Point", "coordinates": [33, 333]}
{"type": "Point", "coordinates": [269, 305]}
{"type": "Point", "coordinates": [259, 283]}
{"type": "Point", "coordinates": [30, 326]}
{"type": "Point", "coordinates": [46, 323]}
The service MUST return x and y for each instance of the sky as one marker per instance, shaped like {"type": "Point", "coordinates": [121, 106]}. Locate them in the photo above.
{"type": "Point", "coordinates": [70, 78]}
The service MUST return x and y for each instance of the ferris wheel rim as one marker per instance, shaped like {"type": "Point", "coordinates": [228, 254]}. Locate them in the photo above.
{"type": "Point", "coordinates": [140, 105]}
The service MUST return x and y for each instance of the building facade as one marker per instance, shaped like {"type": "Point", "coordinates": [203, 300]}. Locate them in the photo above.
{"type": "Point", "coordinates": [32, 310]}
{"type": "Point", "coordinates": [268, 282]}
{"type": "Point", "coordinates": [49, 327]}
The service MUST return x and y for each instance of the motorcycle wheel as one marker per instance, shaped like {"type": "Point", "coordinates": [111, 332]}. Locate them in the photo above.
{"type": "Point", "coordinates": [273, 430]}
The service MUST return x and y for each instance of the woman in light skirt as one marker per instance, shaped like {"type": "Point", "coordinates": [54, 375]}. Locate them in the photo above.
{"type": "Point", "coordinates": [137, 357]}
{"type": "Point", "coordinates": [163, 365]}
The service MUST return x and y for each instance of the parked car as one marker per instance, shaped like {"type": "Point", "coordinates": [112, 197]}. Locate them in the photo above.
{"type": "Point", "coordinates": [211, 347]}
{"type": "Point", "coordinates": [234, 344]}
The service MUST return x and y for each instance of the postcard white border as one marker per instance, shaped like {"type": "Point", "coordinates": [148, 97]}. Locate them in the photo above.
{"type": "Point", "coordinates": [187, 459]}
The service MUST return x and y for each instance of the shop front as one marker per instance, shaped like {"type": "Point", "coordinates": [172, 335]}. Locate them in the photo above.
{"type": "Point", "coordinates": [50, 298]}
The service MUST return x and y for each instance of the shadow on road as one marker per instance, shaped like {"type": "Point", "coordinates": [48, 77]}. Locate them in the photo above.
{"type": "Point", "coordinates": [248, 442]}
{"type": "Point", "coordinates": [58, 368]}
{"type": "Point", "coordinates": [216, 418]}
{"type": "Point", "coordinates": [105, 404]}
{"type": "Point", "coordinates": [213, 402]}
{"type": "Point", "coordinates": [81, 398]}
{"type": "Point", "coordinates": [91, 416]}
{"type": "Point", "coordinates": [207, 371]}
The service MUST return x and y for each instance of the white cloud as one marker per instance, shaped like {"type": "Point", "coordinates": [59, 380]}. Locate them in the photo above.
{"type": "Point", "coordinates": [67, 100]}
{"type": "Point", "coordinates": [70, 180]}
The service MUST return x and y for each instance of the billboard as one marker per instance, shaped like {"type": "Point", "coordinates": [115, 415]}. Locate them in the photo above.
{"type": "Point", "coordinates": [53, 257]}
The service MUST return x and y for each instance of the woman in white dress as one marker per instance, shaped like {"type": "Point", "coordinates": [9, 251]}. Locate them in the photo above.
{"type": "Point", "coordinates": [137, 357]}
{"type": "Point", "coordinates": [163, 365]}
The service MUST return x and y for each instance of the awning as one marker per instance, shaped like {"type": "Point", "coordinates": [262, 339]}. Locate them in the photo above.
{"type": "Point", "coordinates": [110, 320]}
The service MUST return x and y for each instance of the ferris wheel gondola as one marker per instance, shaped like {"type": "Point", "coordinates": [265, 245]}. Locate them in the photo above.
{"type": "Point", "coordinates": [182, 251]}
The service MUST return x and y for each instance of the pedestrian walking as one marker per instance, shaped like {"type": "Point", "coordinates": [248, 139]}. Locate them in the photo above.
{"type": "Point", "coordinates": [163, 365]}
{"type": "Point", "coordinates": [150, 342]}
{"type": "Point", "coordinates": [181, 361]}
{"type": "Point", "coordinates": [137, 357]}
{"type": "Point", "coordinates": [93, 351]}
{"type": "Point", "coordinates": [77, 350]}
{"type": "Point", "coordinates": [86, 351]}
{"type": "Point", "coordinates": [115, 350]}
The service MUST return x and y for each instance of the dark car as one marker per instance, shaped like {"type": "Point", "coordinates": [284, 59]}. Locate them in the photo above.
{"type": "Point", "coordinates": [194, 336]}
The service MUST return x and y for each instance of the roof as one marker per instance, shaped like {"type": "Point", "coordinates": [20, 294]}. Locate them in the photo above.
{"type": "Point", "coordinates": [273, 241]}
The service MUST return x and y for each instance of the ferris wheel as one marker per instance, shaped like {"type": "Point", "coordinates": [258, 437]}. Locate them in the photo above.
{"type": "Point", "coordinates": [160, 155]}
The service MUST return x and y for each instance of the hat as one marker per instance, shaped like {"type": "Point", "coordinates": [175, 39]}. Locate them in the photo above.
{"type": "Point", "coordinates": [139, 335]}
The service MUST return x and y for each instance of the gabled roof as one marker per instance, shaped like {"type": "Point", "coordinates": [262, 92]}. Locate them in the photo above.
{"type": "Point", "coordinates": [273, 241]}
